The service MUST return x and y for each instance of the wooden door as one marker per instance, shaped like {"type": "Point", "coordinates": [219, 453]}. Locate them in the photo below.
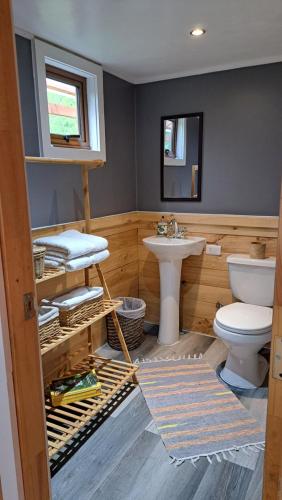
{"type": "Point", "coordinates": [273, 453]}
{"type": "Point", "coordinates": [15, 242]}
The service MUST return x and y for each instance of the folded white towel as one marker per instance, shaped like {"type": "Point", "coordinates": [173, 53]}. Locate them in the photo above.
{"type": "Point", "coordinates": [77, 264]}
{"type": "Point", "coordinates": [59, 256]}
{"type": "Point", "coordinates": [52, 263]}
{"type": "Point", "coordinates": [87, 261]}
{"type": "Point", "coordinates": [75, 297]}
{"type": "Point", "coordinates": [46, 314]}
{"type": "Point", "coordinates": [72, 244]}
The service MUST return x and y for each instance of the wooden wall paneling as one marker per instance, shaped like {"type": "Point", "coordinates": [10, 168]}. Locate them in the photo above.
{"type": "Point", "coordinates": [122, 281]}
{"type": "Point", "coordinates": [132, 270]}
{"type": "Point", "coordinates": [205, 279]}
{"type": "Point", "coordinates": [58, 228]}
{"type": "Point", "coordinates": [213, 219]}
{"type": "Point", "coordinates": [272, 489]}
{"type": "Point", "coordinates": [123, 249]}
{"type": "Point", "coordinates": [57, 286]}
{"type": "Point", "coordinates": [230, 243]}
{"type": "Point", "coordinates": [128, 220]}
{"type": "Point", "coordinates": [64, 356]}
{"type": "Point", "coordinates": [18, 274]}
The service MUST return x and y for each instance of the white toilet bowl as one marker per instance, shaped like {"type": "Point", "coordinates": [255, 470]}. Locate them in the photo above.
{"type": "Point", "coordinates": [245, 329]}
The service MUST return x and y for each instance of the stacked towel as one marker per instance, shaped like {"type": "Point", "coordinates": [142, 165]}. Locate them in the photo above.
{"type": "Point", "coordinates": [75, 297]}
{"type": "Point", "coordinates": [73, 250]}
{"type": "Point", "coordinates": [46, 314]}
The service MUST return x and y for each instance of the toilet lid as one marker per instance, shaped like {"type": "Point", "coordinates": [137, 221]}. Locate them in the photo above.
{"type": "Point", "coordinates": [245, 318]}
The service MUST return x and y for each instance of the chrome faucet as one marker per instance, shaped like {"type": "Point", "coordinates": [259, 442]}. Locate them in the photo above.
{"type": "Point", "coordinates": [172, 228]}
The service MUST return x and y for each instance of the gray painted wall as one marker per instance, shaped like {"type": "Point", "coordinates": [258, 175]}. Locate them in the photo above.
{"type": "Point", "coordinates": [242, 150]}
{"type": "Point", "coordinates": [55, 192]}
{"type": "Point", "coordinates": [242, 147]}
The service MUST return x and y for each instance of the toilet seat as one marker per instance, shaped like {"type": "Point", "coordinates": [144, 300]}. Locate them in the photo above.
{"type": "Point", "coordinates": [244, 319]}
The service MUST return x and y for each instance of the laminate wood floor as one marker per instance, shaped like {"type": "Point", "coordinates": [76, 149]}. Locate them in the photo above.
{"type": "Point", "coordinates": [125, 458]}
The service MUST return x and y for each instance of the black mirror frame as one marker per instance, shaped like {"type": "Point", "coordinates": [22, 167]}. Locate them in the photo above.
{"type": "Point", "coordinates": [200, 155]}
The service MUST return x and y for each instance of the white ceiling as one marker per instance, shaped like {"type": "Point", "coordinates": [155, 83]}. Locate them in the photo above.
{"type": "Point", "coordinates": [146, 40]}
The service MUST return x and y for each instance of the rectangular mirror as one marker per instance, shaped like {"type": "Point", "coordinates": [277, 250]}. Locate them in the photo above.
{"type": "Point", "coordinates": [181, 157]}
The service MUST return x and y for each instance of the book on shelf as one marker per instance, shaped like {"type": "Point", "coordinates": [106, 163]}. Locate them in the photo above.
{"type": "Point", "coordinates": [75, 388]}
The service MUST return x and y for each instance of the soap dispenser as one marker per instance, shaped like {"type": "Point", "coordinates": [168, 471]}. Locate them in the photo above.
{"type": "Point", "coordinates": [162, 227]}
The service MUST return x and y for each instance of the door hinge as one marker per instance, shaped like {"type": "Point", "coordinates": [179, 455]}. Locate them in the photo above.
{"type": "Point", "coordinates": [277, 358]}
{"type": "Point", "coordinates": [29, 310]}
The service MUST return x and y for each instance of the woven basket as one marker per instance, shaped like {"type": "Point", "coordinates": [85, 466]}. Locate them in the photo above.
{"type": "Point", "coordinates": [82, 312]}
{"type": "Point", "coordinates": [49, 330]}
{"type": "Point", "coordinates": [38, 260]}
{"type": "Point", "coordinates": [132, 329]}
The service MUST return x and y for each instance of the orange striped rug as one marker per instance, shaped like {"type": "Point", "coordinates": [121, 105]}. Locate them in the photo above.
{"type": "Point", "coordinates": [195, 413]}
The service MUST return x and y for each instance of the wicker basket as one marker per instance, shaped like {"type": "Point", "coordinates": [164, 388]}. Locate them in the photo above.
{"type": "Point", "coordinates": [82, 312]}
{"type": "Point", "coordinates": [49, 330]}
{"type": "Point", "coordinates": [38, 260]}
{"type": "Point", "coordinates": [132, 328]}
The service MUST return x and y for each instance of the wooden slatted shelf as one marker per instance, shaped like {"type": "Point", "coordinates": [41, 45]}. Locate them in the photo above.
{"type": "Point", "coordinates": [67, 332]}
{"type": "Point", "coordinates": [64, 422]}
{"type": "Point", "coordinates": [50, 273]}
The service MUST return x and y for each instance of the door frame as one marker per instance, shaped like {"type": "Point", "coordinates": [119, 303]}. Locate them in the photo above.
{"type": "Point", "coordinates": [22, 347]}
{"type": "Point", "coordinates": [18, 281]}
{"type": "Point", "coordinates": [10, 465]}
{"type": "Point", "coordinates": [272, 488]}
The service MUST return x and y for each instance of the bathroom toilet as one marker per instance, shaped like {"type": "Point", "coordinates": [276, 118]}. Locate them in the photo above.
{"type": "Point", "coordinates": [245, 327]}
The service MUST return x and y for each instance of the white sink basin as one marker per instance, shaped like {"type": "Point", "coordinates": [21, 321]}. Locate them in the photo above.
{"type": "Point", "coordinates": [170, 252]}
{"type": "Point", "coordinates": [174, 249]}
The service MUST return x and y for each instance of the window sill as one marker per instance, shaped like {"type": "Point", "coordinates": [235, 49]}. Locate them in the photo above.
{"type": "Point", "coordinates": [174, 162]}
{"type": "Point", "coordinates": [73, 153]}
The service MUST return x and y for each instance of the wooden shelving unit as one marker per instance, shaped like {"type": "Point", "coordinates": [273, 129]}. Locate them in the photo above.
{"type": "Point", "coordinates": [65, 421]}
{"type": "Point", "coordinates": [50, 273]}
{"type": "Point", "coordinates": [66, 332]}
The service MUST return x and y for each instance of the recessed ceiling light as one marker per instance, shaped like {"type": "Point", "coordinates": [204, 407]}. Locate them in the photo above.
{"type": "Point", "coordinates": [197, 32]}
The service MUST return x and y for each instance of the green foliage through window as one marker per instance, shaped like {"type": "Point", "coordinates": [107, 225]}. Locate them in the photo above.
{"type": "Point", "coordinates": [63, 108]}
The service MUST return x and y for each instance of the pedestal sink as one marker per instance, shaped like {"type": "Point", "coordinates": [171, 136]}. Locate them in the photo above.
{"type": "Point", "coordinates": [170, 252]}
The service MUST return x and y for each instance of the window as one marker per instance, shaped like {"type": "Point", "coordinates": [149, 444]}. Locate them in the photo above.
{"type": "Point", "coordinates": [67, 108]}
{"type": "Point", "coordinates": [175, 142]}
{"type": "Point", "coordinates": [70, 105]}
{"type": "Point", "coordinates": [170, 139]}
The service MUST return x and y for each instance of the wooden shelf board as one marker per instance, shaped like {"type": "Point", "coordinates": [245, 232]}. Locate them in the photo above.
{"type": "Point", "coordinates": [64, 161]}
{"type": "Point", "coordinates": [50, 273]}
{"type": "Point", "coordinates": [64, 422]}
{"type": "Point", "coordinates": [67, 332]}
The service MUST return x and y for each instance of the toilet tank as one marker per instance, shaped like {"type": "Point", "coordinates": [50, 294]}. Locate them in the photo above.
{"type": "Point", "coordinates": [252, 280]}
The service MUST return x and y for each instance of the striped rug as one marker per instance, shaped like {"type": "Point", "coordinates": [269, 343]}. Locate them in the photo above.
{"type": "Point", "coordinates": [195, 413]}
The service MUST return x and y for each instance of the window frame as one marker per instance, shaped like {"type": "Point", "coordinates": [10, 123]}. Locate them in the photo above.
{"type": "Point", "coordinates": [45, 53]}
{"type": "Point", "coordinates": [173, 139]}
{"type": "Point", "coordinates": [78, 81]}
{"type": "Point", "coordinates": [180, 139]}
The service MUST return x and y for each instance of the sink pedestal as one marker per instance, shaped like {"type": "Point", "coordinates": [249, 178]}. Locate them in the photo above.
{"type": "Point", "coordinates": [170, 273]}
{"type": "Point", "coordinates": [170, 253]}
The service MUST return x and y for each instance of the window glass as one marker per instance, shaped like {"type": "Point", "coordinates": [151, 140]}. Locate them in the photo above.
{"type": "Point", "coordinates": [63, 108]}
{"type": "Point", "coordinates": [170, 137]}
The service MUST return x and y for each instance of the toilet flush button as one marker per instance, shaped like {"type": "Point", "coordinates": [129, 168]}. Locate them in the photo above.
{"type": "Point", "coordinates": [213, 249]}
